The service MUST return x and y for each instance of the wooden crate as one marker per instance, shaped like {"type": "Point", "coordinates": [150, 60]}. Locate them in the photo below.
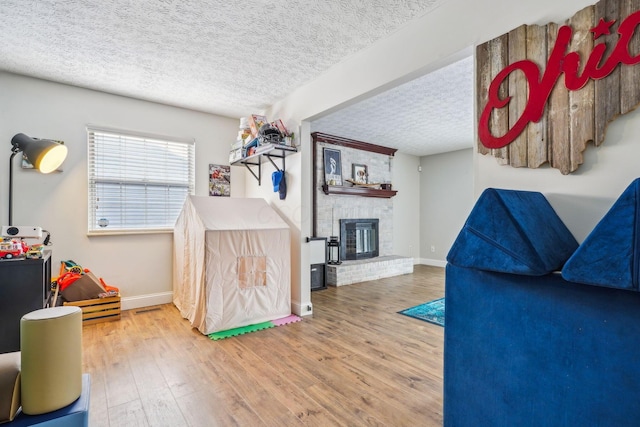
{"type": "Point", "coordinates": [98, 310]}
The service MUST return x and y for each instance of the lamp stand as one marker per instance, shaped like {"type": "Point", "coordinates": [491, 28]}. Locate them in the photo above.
{"type": "Point", "coordinates": [14, 151]}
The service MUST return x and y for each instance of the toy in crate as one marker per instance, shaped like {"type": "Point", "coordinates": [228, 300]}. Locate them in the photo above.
{"type": "Point", "coordinates": [80, 287]}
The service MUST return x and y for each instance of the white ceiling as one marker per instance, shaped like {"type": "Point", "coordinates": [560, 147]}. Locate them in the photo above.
{"type": "Point", "coordinates": [429, 115]}
{"type": "Point", "coordinates": [237, 58]}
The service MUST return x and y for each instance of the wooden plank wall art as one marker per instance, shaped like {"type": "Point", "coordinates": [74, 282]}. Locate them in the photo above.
{"type": "Point", "coordinates": [544, 92]}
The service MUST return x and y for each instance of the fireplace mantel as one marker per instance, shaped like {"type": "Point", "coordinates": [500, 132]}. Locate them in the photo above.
{"type": "Point", "coordinates": [358, 191]}
{"type": "Point", "coordinates": [352, 143]}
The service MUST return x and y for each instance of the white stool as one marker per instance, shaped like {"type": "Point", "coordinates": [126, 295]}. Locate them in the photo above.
{"type": "Point", "coordinates": [51, 358]}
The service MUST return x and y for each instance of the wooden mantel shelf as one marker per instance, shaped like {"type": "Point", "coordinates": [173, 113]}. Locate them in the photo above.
{"type": "Point", "coordinates": [358, 191]}
{"type": "Point", "coordinates": [352, 143]}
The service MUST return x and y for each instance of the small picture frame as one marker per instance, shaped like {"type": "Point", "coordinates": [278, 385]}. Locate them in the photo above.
{"type": "Point", "coordinates": [332, 167]}
{"type": "Point", "coordinates": [219, 180]}
{"type": "Point", "coordinates": [360, 174]}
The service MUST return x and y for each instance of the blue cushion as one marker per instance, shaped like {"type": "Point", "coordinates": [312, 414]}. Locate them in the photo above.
{"type": "Point", "coordinates": [512, 231]}
{"type": "Point", "coordinates": [539, 351]}
{"type": "Point", "coordinates": [74, 415]}
{"type": "Point", "coordinates": [609, 256]}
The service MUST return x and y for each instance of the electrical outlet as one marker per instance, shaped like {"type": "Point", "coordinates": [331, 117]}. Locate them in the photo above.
{"type": "Point", "coordinates": [433, 248]}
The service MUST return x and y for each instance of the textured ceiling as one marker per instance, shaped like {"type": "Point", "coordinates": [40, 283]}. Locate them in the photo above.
{"type": "Point", "coordinates": [218, 56]}
{"type": "Point", "coordinates": [429, 115]}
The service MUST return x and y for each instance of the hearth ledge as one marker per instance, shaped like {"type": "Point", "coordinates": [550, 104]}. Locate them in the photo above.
{"type": "Point", "coordinates": [363, 270]}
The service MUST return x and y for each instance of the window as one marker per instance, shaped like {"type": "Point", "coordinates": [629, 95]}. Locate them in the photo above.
{"type": "Point", "coordinates": [252, 271]}
{"type": "Point", "coordinates": [137, 182]}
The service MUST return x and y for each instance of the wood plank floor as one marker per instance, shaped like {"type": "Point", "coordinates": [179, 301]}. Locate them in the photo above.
{"type": "Point", "coordinates": [355, 362]}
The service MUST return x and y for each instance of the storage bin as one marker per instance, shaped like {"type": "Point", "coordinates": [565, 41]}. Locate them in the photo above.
{"type": "Point", "coordinates": [98, 310]}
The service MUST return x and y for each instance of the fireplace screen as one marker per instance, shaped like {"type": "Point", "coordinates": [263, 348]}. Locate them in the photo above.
{"type": "Point", "coordinates": [358, 238]}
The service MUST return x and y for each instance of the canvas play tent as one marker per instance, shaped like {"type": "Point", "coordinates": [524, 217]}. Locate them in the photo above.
{"type": "Point", "coordinates": [231, 263]}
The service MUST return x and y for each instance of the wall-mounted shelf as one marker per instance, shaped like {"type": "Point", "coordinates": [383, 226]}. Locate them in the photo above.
{"type": "Point", "coordinates": [358, 191]}
{"type": "Point", "coordinates": [253, 163]}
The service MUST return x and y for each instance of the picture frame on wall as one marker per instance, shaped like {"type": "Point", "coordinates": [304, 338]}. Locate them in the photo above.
{"type": "Point", "coordinates": [219, 180]}
{"type": "Point", "coordinates": [332, 166]}
{"type": "Point", "coordinates": [359, 174]}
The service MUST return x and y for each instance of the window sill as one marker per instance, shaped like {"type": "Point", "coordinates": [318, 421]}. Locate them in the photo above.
{"type": "Point", "coordinates": [128, 232]}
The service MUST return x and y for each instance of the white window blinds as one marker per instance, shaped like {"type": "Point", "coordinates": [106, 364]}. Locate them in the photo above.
{"type": "Point", "coordinates": [137, 182]}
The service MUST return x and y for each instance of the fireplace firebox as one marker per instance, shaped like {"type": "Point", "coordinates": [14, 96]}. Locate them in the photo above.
{"type": "Point", "coordinates": [358, 239]}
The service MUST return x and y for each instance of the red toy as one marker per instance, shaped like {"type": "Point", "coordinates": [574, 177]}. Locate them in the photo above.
{"type": "Point", "coordinates": [12, 248]}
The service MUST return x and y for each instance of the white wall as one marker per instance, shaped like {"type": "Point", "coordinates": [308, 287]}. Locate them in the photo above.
{"type": "Point", "coordinates": [406, 206]}
{"type": "Point", "coordinates": [446, 189]}
{"type": "Point", "coordinates": [581, 198]}
{"type": "Point", "coordinates": [140, 265]}
{"type": "Point", "coordinates": [290, 209]}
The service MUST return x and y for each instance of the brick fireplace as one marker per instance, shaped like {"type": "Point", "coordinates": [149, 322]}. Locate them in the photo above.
{"type": "Point", "coordinates": [364, 224]}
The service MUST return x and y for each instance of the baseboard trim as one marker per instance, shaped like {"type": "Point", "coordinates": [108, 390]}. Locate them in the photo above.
{"type": "Point", "coordinates": [302, 310]}
{"type": "Point", "coordinates": [130, 303]}
{"type": "Point", "coordinates": [433, 262]}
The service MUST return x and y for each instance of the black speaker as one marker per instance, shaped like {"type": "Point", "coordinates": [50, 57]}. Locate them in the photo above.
{"type": "Point", "coordinates": [318, 276]}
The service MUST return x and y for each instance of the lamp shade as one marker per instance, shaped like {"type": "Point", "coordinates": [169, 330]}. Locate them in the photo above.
{"type": "Point", "coordinates": [45, 155]}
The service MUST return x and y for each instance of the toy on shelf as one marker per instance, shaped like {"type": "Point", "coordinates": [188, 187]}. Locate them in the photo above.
{"type": "Point", "coordinates": [35, 251]}
{"type": "Point", "coordinates": [13, 248]}
{"type": "Point", "coordinates": [255, 123]}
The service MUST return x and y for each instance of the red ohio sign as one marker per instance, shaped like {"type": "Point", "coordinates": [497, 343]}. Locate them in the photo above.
{"type": "Point", "coordinates": [560, 62]}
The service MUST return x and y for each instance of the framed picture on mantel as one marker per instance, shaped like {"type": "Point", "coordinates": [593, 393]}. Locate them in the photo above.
{"type": "Point", "coordinates": [360, 174]}
{"type": "Point", "coordinates": [332, 166]}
